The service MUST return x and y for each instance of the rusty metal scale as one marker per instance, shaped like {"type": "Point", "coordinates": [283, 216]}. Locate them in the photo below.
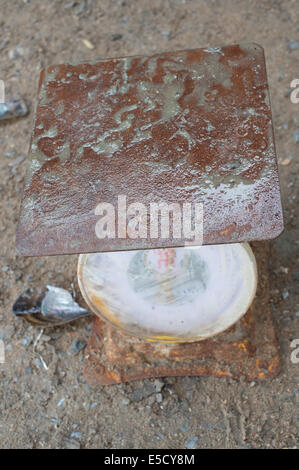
{"type": "Point", "coordinates": [182, 127]}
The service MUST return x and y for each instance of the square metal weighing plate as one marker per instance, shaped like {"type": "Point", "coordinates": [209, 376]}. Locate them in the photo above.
{"type": "Point", "coordinates": [189, 126]}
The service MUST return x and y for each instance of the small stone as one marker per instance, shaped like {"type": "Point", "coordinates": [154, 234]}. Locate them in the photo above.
{"type": "Point", "coordinates": [287, 92]}
{"type": "Point", "coordinates": [37, 362]}
{"type": "Point", "coordinates": [76, 435]}
{"type": "Point", "coordinates": [159, 398]}
{"type": "Point", "coordinates": [125, 401]}
{"type": "Point", "coordinates": [285, 294]}
{"type": "Point", "coordinates": [78, 346]}
{"type": "Point", "coordinates": [293, 45]}
{"type": "Point", "coordinates": [143, 392]}
{"type": "Point", "coordinates": [78, 9]}
{"type": "Point", "coordinates": [296, 137]}
{"type": "Point", "coordinates": [151, 400]}
{"type": "Point", "coordinates": [191, 442]}
{"type": "Point", "coordinates": [60, 403]}
{"type": "Point", "coordinates": [88, 44]}
{"type": "Point", "coordinates": [158, 385]}
{"type": "Point", "coordinates": [281, 75]}
{"type": "Point", "coordinates": [115, 37]}
{"type": "Point", "coordinates": [71, 444]}
{"type": "Point", "coordinates": [3, 44]}
{"type": "Point", "coordinates": [16, 52]}
{"type": "Point", "coordinates": [10, 154]}
{"type": "Point", "coordinates": [285, 162]}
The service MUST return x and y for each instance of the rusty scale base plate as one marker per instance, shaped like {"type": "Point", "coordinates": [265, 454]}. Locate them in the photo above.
{"type": "Point", "coordinates": [248, 349]}
{"type": "Point", "coordinates": [192, 126]}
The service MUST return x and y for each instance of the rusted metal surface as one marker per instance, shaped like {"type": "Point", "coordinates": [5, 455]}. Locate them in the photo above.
{"type": "Point", "coordinates": [189, 126]}
{"type": "Point", "coordinates": [248, 349]}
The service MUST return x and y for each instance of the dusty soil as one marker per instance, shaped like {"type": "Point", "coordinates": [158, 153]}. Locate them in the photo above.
{"type": "Point", "coordinates": [46, 403]}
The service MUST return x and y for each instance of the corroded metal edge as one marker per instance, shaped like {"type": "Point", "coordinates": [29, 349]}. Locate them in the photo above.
{"type": "Point", "coordinates": [249, 349]}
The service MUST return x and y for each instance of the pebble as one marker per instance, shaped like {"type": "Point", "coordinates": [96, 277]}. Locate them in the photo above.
{"type": "Point", "coordinates": [3, 44]}
{"type": "Point", "coordinates": [191, 442]}
{"type": "Point", "coordinates": [78, 9]}
{"type": "Point", "coordinates": [78, 346]}
{"type": "Point", "coordinates": [37, 362]}
{"type": "Point", "coordinates": [158, 385]}
{"type": "Point", "coordinates": [159, 398]}
{"type": "Point", "coordinates": [287, 92]}
{"type": "Point", "coordinates": [76, 435]}
{"type": "Point", "coordinates": [281, 75]}
{"type": "Point", "coordinates": [125, 401]}
{"type": "Point", "coordinates": [88, 44]}
{"type": "Point", "coordinates": [10, 154]}
{"type": "Point", "coordinates": [115, 37]}
{"type": "Point", "coordinates": [285, 294]}
{"type": "Point", "coordinates": [143, 392]}
{"type": "Point", "coordinates": [293, 45]}
{"type": "Point", "coordinates": [20, 51]}
{"type": "Point", "coordinates": [71, 444]}
{"type": "Point", "coordinates": [296, 137]}
{"type": "Point", "coordinates": [61, 402]}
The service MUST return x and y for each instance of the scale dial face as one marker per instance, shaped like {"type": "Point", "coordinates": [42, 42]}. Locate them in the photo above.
{"type": "Point", "coordinates": [173, 294]}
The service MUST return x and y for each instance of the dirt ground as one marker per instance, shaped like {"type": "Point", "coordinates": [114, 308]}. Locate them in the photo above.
{"type": "Point", "coordinates": [54, 407]}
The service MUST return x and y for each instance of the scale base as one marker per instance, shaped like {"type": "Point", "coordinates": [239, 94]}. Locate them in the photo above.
{"type": "Point", "coordinates": [248, 349]}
